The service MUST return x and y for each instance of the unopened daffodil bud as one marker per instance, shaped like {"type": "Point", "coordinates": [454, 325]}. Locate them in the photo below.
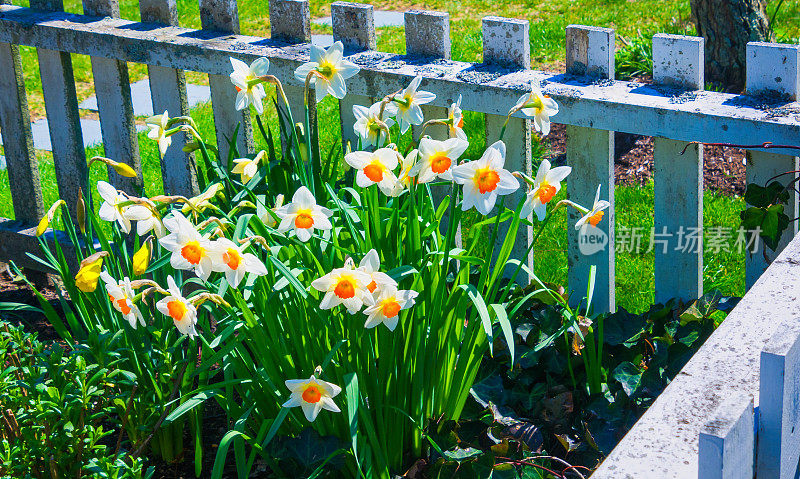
{"type": "Point", "coordinates": [122, 169]}
{"type": "Point", "coordinates": [44, 223]}
{"type": "Point", "coordinates": [141, 258]}
{"type": "Point", "coordinates": [89, 273]}
{"type": "Point", "coordinates": [81, 211]}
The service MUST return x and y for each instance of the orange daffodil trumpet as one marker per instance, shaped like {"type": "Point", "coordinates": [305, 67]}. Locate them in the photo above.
{"type": "Point", "coordinates": [375, 168]}
{"type": "Point", "coordinates": [230, 258]}
{"type": "Point", "coordinates": [303, 215]}
{"type": "Point", "coordinates": [537, 106]}
{"type": "Point", "coordinates": [437, 158]}
{"type": "Point", "coordinates": [595, 215]}
{"type": "Point", "coordinates": [190, 249]}
{"type": "Point", "coordinates": [246, 80]}
{"type": "Point", "coordinates": [385, 306]}
{"type": "Point", "coordinates": [247, 167]}
{"type": "Point", "coordinates": [182, 312]}
{"type": "Point", "coordinates": [331, 70]}
{"type": "Point", "coordinates": [485, 179]}
{"type": "Point", "coordinates": [370, 125]}
{"type": "Point", "coordinates": [408, 103]}
{"type": "Point", "coordinates": [346, 286]}
{"type": "Point", "coordinates": [312, 395]}
{"type": "Point", "coordinates": [544, 187]}
{"type": "Point", "coordinates": [121, 296]}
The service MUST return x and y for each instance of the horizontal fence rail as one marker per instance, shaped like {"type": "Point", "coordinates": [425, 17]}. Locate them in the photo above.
{"type": "Point", "coordinates": [675, 109]}
{"type": "Point", "coordinates": [703, 424]}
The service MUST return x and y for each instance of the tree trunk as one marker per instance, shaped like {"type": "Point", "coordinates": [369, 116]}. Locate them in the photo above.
{"type": "Point", "coordinates": [727, 26]}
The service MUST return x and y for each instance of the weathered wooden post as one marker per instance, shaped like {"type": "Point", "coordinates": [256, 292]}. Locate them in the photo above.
{"type": "Point", "coordinates": [63, 118]}
{"type": "Point", "coordinates": [354, 26]}
{"type": "Point", "coordinates": [778, 449]}
{"type": "Point", "coordinates": [772, 70]}
{"type": "Point", "coordinates": [727, 442]}
{"type": "Point", "coordinates": [506, 44]}
{"type": "Point", "coordinates": [223, 16]}
{"type": "Point", "coordinates": [590, 152]}
{"type": "Point", "coordinates": [678, 178]}
{"type": "Point", "coordinates": [113, 90]}
{"type": "Point", "coordinates": [15, 125]}
{"type": "Point", "coordinates": [290, 22]}
{"type": "Point", "coordinates": [168, 92]}
{"type": "Point", "coordinates": [428, 37]}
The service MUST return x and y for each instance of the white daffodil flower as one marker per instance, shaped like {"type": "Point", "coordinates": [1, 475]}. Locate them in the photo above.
{"type": "Point", "coordinates": [455, 120]}
{"type": "Point", "coordinates": [111, 210]}
{"type": "Point", "coordinates": [303, 215]}
{"type": "Point", "coordinates": [371, 264]}
{"type": "Point", "coordinates": [267, 217]}
{"type": "Point", "coordinates": [368, 120]}
{"type": "Point", "coordinates": [247, 167]}
{"type": "Point", "coordinates": [485, 179]}
{"type": "Point", "coordinates": [182, 312]}
{"type": "Point", "coordinates": [333, 70]}
{"type": "Point", "coordinates": [158, 129]}
{"type": "Point", "coordinates": [145, 220]}
{"type": "Point", "coordinates": [436, 158]}
{"type": "Point", "coordinates": [190, 249]}
{"type": "Point", "coordinates": [375, 168]}
{"type": "Point", "coordinates": [595, 215]}
{"type": "Point", "coordinates": [345, 286]}
{"type": "Point", "coordinates": [312, 395]}
{"type": "Point", "coordinates": [539, 107]}
{"type": "Point", "coordinates": [121, 296]}
{"type": "Point", "coordinates": [229, 258]}
{"type": "Point", "coordinates": [385, 306]}
{"type": "Point", "coordinates": [242, 76]}
{"type": "Point", "coordinates": [408, 105]}
{"type": "Point", "coordinates": [545, 186]}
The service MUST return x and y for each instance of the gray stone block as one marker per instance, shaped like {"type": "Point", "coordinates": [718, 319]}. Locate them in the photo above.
{"type": "Point", "coordinates": [323, 41]}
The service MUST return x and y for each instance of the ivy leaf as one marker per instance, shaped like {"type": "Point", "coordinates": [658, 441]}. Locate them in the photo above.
{"type": "Point", "coordinates": [629, 376]}
{"type": "Point", "coordinates": [771, 221]}
{"type": "Point", "coordinates": [764, 196]}
{"type": "Point", "coordinates": [460, 455]}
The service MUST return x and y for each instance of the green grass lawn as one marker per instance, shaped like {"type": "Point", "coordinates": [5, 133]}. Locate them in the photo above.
{"type": "Point", "coordinates": [638, 19]}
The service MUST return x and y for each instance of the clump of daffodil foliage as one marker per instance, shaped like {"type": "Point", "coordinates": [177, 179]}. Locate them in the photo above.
{"type": "Point", "coordinates": [297, 296]}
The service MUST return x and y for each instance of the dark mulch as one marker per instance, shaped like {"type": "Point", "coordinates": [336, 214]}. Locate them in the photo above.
{"type": "Point", "coordinates": [723, 168]}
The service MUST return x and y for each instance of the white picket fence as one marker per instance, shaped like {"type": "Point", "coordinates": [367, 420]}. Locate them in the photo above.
{"type": "Point", "coordinates": [675, 110]}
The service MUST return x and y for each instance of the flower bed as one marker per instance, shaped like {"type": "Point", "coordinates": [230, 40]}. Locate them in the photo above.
{"type": "Point", "coordinates": [323, 300]}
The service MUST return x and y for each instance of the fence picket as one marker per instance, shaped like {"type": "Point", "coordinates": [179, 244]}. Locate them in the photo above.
{"type": "Point", "coordinates": [168, 93]}
{"type": "Point", "coordinates": [772, 71]}
{"type": "Point", "coordinates": [727, 441]}
{"type": "Point", "coordinates": [113, 91]}
{"type": "Point", "coordinates": [15, 125]}
{"type": "Point", "coordinates": [590, 152]}
{"type": "Point", "coordinates": [678, 178]}
{"type": "Point", "coordinates": [63, 118]}
{"type": "Point", "coordinates": [778, 449]}
{"type": "Point", "coordinates": [290, 22]}
{"type": "Point", "coordinates": [428, 37]}
{"type": "Point", "coordinates": [506, 44]}
{"type": "Point", "coordinates": [223, 16]}
{"type": "Point", "coordinates": [354, 26]}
